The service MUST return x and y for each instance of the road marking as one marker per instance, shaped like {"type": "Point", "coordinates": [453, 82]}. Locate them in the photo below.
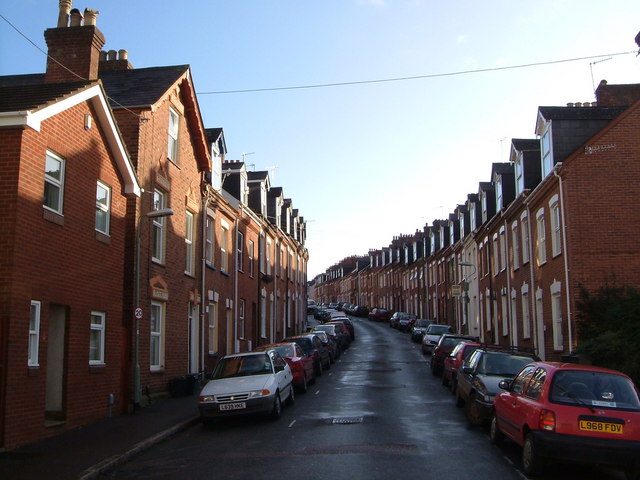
{"type": "Point", "coordinates": [317, 392]}
{"type": "Point", "coordinates": [291, 424]}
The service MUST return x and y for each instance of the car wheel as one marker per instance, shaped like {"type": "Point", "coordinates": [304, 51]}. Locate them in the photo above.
{"type": "Point", "coordinates": [471, 409]}
{"type": "Point", "coordinates": [495, 435]}
{"type": "Point", "coordinates": [531, 462]}
{"type": "Point", "coordinates": [305, 385]}
{"type": "Point", "coordinates": [277, 407]}
{"type": "Point", "coordinates": [292, 396]}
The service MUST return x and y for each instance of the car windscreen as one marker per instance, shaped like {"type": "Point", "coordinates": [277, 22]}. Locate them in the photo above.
{"type": "Point", "coordinates": [330, 329]}
{"type": "Point", "coordinates": [596, 389]}
{"type": "Point", "coordinates": [422, 323]}
{"type": "Point", "coordinates": [502, 364]}
{"type": "Point", "coordinates": [437, 329]}
{"type": "Point", "coordinates": [243, 366]}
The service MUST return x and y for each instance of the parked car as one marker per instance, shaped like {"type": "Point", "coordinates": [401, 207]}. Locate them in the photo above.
{"type": "Point", "coordinates": [444, 347]}
{"type": "Point", "coordinates": [419, 328]}
{"type": "Point", "coordinates": [347, 321]}
{"type": "Point", "coordinates": [313, 346]}
{"type": "Point", "coordinates": [454, 361]}
{"type": "Point", "coordinates": [432, 336]}
{"type": "Point", "coordinates": [395, 319]}
{"type": "Point", "coordinates": [330, 341]}
{"type": "Point", "coordinates": [301, 364]}
{"type": "Point", "coordinates": [247, 383]}
{"type": "Point", "coordinates": [570, 412]}
{"type": "Point", "coordinates": [342, 328]}
{"type": "Point", "coordinates": [479, 377]}
{"type": "Point", "coordinates": [405, 323]}
{"type": "Point", "coordinates": [360, 311]}
{"type": "Point", "coordinates": [379, 315]}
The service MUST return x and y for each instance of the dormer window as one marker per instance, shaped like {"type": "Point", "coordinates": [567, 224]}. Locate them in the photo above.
{"type": "Point", "coordinates": [483, 200]}
{"type": "Point", "coordinates": [472, 216]}
{"type": "Point", "coordinates": [432, 238]}
{"type": "Point", "coordinates": [498, 186]}
{"type": "Point", "coordinates": [452, 238]}
{"type": "Point", "coordinates": [461, 221]}
{"type": "Point", "coordinates": [519, 170]}
{"type": "Point", "coordinates": [546, 151]}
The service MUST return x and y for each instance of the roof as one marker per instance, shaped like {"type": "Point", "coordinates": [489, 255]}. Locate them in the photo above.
{"type": "Point", "coordinates": [522, 144]}
{"type": "Point", "coordinates": [580, 113]}
{"type": "Point", "coordinates": [18, 97]}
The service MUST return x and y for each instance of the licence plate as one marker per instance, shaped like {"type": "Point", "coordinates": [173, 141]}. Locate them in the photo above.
{"type": "Point", "coordinates": [233, 406]}
{"type": "Point", "coordinates": [606, 427]}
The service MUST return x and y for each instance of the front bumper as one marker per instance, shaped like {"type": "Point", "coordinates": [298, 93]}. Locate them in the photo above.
{"type": "Point", "coordinates": [574, 448]}
{"type": "Point", "coordinates": [254, 406]}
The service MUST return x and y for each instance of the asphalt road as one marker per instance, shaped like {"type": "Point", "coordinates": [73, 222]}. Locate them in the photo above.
{"type": "Point", "coordinates": [377, 414]}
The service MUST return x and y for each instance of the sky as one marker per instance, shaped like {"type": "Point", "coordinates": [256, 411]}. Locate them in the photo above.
{"type": "Point", "coordinates": [376, 117]}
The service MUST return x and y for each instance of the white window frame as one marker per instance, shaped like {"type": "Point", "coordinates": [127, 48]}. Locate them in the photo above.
{"type": "Point", "coordinates": [240, 252]}
{"type": "Point", "coordinates": [212, 328]}
{"type": "Point", "coordinates": [224, 246]}
{"type": "Point", "coordinates": [496, 255]}
{"type": "Point", "coordinates": [241, 318]}
{"type": "Point", "coordinates": [54, 183]}
{"type": "Point", "coordinates": [519, 173]}
{"type": "Point", "coordinates": [189, 267]}
{"type": "Point", "coordinates": [515, 245]}
{"type": "Point", "coordinates": [541, 238]}
{"type": "Point", "coordinates": [103, 207]}
{"type": "Point", "coordinates": [156, 336]}
{"type": "Point", "coordinates": [556, 316]}
{"type": "Point", "coordinates": [209, 240]}
{"type": "Point", "coordinates": [250, 257]}
{"type": "Point", "coordinates": [97, 337]}
{"type": "Point", "coordinates": [526, 312]}
{"type": "Point", "coordinates": [524, 234]}
{"type": "Point", "coordinates": [546, 150]}
{"type": "Point", "coordinates": [556, 225]}
{"type": "Point", "coordinates": [499, 196]}
{"type": "Point", "coordinates": [34, 334]}
{"type": "Point", "coordinates": [503, 250]}
{"type": "Point", "coordinates": [173, 135]}
{"type": "Point", "coordinates": [159, 227]}
{"type": "Point", "coordinates": [504, 305]}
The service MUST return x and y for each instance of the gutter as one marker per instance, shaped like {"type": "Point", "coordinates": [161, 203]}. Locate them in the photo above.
{"type": "Point", "coordinates": [566, 259]}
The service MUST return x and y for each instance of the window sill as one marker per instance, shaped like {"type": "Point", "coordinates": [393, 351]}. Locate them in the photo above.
{"type": "Point", "coordinates": [103, 237]}
{"type": "Point", "coordinates": [156, 370]}
{"type": "Point", "coordinates": [97, 368]}
{"type": "Point", "coordinates": [53, 217]}
{"type": "Point", "coordinates": [33, 370]}
{"type": "Point", "coordinates": [225, 273]}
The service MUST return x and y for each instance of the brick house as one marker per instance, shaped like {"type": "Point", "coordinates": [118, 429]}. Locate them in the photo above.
{"type": "Point", "coordinates": [66, 181]}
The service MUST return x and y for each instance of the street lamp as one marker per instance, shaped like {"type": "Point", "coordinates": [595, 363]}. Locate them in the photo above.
{"type": "Point", "coordinates": [163, 212]}
{"type": "Point", "coordinates": [466, 290]}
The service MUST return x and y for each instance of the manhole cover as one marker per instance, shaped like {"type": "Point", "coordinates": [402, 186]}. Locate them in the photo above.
{"type": "Point", "coordinates": [347, 420]}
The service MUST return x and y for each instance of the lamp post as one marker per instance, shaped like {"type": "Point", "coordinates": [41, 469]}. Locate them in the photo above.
{"type": "Point", "coordinates": [466, 290]}
{"type": "Point", "coordinates": [163, 212]}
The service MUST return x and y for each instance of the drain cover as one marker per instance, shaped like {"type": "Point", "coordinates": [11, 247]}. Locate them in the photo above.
{"type": "Point", "coordinates": [347, 420]}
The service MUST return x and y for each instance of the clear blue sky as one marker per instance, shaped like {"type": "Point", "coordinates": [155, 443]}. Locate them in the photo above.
{"type": "Point", "coordinates": [367, 161]}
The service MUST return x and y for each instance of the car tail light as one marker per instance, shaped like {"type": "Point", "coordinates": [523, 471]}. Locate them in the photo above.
{"type": "Point", "coordinates": [547, 420]}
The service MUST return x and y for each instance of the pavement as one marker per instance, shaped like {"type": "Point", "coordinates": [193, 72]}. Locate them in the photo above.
{"type": "Point", "coordinates": [87, 452]}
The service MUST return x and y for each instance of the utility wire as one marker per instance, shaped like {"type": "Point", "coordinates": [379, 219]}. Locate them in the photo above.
{"type": "Point", "coordinates": [415, 77]}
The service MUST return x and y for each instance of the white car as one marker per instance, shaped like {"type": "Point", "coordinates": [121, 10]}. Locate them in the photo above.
{"type": "Point", "coordinates": [432, 335]}
{"type": "Point", "coordinates": [245, 384]}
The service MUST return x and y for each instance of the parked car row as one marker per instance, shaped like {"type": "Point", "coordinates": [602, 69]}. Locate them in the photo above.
{"type": "Point", "coordinates": [555, 411]}
{"type": "Point", "coordinates": [261, 381]}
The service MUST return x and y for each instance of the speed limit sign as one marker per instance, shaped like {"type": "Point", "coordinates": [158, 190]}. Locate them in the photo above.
{"type": "Point", "coordinates": [138, 313]}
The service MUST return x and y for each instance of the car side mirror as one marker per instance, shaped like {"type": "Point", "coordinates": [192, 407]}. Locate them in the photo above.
{"type": "Point", "coordinates": [468, 370]}
{"type": "Point", "coordinates": [504, 384]}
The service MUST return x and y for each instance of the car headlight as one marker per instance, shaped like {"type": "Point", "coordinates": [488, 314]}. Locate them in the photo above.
{"type": "Point", "coordinates": [260, 393]}
{"type": "Point", "coordinates": [207, 398]}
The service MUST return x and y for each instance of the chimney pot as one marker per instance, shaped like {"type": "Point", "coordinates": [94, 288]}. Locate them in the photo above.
{"type": "Point", "coordinates": [123, 54]}
{"type": "Point", "coordinates": [63, 15]}
{"type": "Point", "coordinates": [90, 16]}
{"type": "Point", "coordinates": [578, 104]}
{"type": "Point", "coordinates": [103, 55]}
{"type": "Point", "coordinates": [111, 55]}
{"type": "Point", "coordinates": [76, 18]}
{"type": "Point", "coordinates": [570, 104]}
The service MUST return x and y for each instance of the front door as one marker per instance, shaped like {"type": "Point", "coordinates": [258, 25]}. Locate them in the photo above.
{"type": "Point", "coordinates": [56, 363]}
{"type": "Point", "coordinates": [194, 338]}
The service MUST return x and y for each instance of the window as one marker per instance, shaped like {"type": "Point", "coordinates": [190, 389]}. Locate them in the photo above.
{"type": "Point", "coordinates": [96, 338]}
{"type": "Point", "coordinates": [172, 137]}
{"type": "Point", "coordinates": [250, 256]}
{"type": "Point", "coordinates": [34, 334]}
{"type": "Point", "coordinates": [268, 257]}
{"type": "Point", "coordinates": [461, 223]}
{"type": "Point", "coordinates": [498, 186]}
{"type": "Point", "coordinates": [515, 246]}
{"type": "Point", "coordinates": [524, 221]}
{"type": "Point", "coordinates": [485, 209]}
{"type": "Point", "coordinates": [519, 169]}
{"type": "Point", "coordinates": [526, 315]}
{"type": "Point", "coordinates": [103, 208]}
{"type": "Point", "coordinates": [556, 316]}
{"type": "Point", "coordinates": [53, 182]}
{"type": "Point", "coordinates": [496, 255]}
{"type": "Point", "coordinates": [213, 333]}
{"type": "Point", "coordinates": [209, 242]}
{"type": "Point", "coordinates": [224, 246]}
{"type": "Point", "coordinates": [505, 315]}
{"type": "Point", "coordinates": [518, 384]}
{"type": "Point", "coordinates": [241, 312]}
{"type": "Point", "coordinates": [472, 216]}
{"type": "Point", "coordinates": [503, 250]}
{"type": "Point", "coordinates": [514, 316]}
{"type": "Point", "coordinates": [536, 384]}
{"type": "Point", "coordinates": [546, 151]}
{"type": "Point", "coordinates": [156, 344]}
{"type": "Point", "coordinates": [554, 208]}
{"type": "Point", "coordinates": [159, 202]}
{"type": "Point", "coordinates": [188, 243]}
{"type": "Point", "coordinates": [541, 239]}
{"type": "Point", "coordinates": [240, 252]}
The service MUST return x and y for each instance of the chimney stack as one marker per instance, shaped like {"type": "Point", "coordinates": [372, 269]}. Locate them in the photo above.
{"type": "Point", "coordinates": [74, 50]}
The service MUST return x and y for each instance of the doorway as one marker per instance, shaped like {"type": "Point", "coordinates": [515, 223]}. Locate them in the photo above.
{"type": "Point", "coordinates": [54, 401]}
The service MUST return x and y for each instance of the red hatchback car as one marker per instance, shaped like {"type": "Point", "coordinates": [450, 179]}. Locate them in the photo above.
{"type": "Point", "coordinates": [454, 361]}
{"type": "Point", "coordinates": [570, 412]}
{"type": "Point", "coordinates": [301, 364]}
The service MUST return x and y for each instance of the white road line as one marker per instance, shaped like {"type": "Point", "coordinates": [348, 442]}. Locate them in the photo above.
{"type": "Point", "coordinates": [291, 424]}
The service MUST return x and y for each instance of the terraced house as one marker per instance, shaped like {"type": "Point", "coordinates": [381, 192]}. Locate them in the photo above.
{"type": "Point", "coordinates": [559, 216]}
{"type": "Point", "coordinates": [126, 263]}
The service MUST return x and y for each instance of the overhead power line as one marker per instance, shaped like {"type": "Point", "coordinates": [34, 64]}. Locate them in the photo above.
{"type": "Point", "coordinates": [415, 77]}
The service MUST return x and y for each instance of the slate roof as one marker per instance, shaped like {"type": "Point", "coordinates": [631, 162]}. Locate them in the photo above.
{"type": "Point", "coordinates": [580, 113]}
{"type": "Point", "coordinates": [257, 176]}
{"type": "Point", "coordinates": [139, 87]}
{"type": "Point", "coordinates": [15, 97]}
{"type": "Point", "coordinates": [525, 144]}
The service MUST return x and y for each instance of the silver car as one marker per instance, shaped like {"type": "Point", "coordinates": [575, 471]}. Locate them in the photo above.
{"type": "Point", "coordinates": [432, 335]}
{"type": "Point", "coordinates": [247, 383]}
